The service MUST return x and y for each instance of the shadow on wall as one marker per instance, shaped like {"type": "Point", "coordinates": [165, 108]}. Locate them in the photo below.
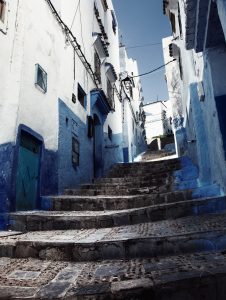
{"type": "Point", "coordinates": [6, 191]}
{"type": "Point", "coordinates": [113, 152]}
{"type": "Point", "coordinates": [201, 137]}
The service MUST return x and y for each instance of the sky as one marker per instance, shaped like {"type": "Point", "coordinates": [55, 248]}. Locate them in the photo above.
{"type": "Point", "coordinates": [142, 22]}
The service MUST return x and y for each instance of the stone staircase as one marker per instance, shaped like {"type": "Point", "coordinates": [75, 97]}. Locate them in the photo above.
{"type": "Point", "coordinates": [146, 231]}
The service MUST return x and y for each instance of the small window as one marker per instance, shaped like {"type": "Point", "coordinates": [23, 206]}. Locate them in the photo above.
{"type": "Point", "coordinates": [41, 78]}
{"type": "Point", "coordinates": [73, 98]}
{"type": "Point", "coordinates": [75, 151]}
{"type": "Point", "coordinates": [2, 10]}
{"type": "Point", "coordinates": [97, 66]}
{"type": "Point", "coordinates": [109, 133]}
{"type": "Point", "coordinates": [179, 20]}
{"type": "Point", "coordinates": [114, 22]}
{"type": "Point", "coordinates": [110, 94]}
{"type": "Point", "coordinates": [180, 67]}
{"type": "Point", "coordinates": [173, 22]}
{"type": "Point", "coordinates": [81, 96]}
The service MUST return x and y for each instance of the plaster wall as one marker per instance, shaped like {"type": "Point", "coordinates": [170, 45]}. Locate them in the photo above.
{"type": "Point", "coordinates": [27, 41]}
{"type": "Point", "coordinates": [133, 140]}
{"type": "Point", "coordinates": [200, 89]}
{"type": "Point", "coordinates": [154, 123]}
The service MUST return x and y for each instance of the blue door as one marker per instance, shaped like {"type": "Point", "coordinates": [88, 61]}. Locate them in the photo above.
{"type": "Point", "coordinates": [98, 147]}
{"type": "Point", "coordinates": [27, 173]}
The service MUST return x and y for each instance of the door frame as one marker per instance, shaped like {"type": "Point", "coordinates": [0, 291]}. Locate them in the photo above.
{"type": "Point", "coordinates": [27, 130]}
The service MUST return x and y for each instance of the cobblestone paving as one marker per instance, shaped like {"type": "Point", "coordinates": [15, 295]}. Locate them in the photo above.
{"type": "Point", "coordinates": [31, 278]}
{"type": "Point", "coordinates": [182, 226]}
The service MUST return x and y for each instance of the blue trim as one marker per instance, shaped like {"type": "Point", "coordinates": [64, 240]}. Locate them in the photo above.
{"type": "Point", "coordinates": [99, 100]}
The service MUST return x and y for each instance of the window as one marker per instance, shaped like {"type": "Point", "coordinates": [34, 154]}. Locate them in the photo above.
{"type": "Point", "coordinates": [109, 133]}
{"type": "Point", "coordinates": [81, 96]}
{"type": "Point", "coordinates": [73, 98]}
{"type": "Point", "coordinates": [179, 20]}
{"type": "Point", "coordinates": [131, 91]}
{"type": "Point", "coordinates": [2, 10]}
{"type": "Point", "coordinates": [114, 23]}
{"type": "Point", "coordinates": [180, 67]}
{"type": "Point", "coordinates": [41, 78]}
{"type": "Point", "coordinates": [173, 22]}
{"type": "Point", "coordinates": [75, 151]}
{"type": "Point", "coordinates": [105, 4]}
{"type": "Point", "coordinates": [110, 93]}
{"type": "Point", "coordinates": [97, 66]}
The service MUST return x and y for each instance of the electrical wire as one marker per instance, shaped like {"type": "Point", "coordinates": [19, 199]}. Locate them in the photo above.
{"type": "Point", "coordinates": [152, 71]}
{"type": "Point", "coordinates": [75, 14]}
{"type": "Point", "coordinates": [142, 46]}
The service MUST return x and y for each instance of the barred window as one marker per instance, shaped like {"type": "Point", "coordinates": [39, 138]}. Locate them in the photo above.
{"type": "Point", "coordinates": [110, 94]}
{"type": "Point", "coordinates": [41, 78]}
{"type": "Point", "coordinates": [75, 151]}
{"type": "Point", "coordinates": [97, 66]}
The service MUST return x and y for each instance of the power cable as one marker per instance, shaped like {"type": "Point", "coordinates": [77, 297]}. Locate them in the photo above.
{"type": "Point", "coordinates": [75, 14]}
{"type": "Point", "coordinates": [142, 46]}
{"type": "Point", "coordinates": [152, 71]}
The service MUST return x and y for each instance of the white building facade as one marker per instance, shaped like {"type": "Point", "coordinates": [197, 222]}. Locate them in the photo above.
{"type": "Point", "coordinates": [133, 116]}
{"type": "Point", "coordinates": [158, 119]}
{"type": "Point", "coordinates": [196, 83]}
{"type": "Point", "coordinates": [60, 103]}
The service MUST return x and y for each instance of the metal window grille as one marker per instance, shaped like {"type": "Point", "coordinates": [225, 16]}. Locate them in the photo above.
{"type": "Point", "coordinates": [97, 66]}
{"type": "Point", "coordinates": [75, 151]}
{"type": "Point", "coordinates": [110, 94]}
{"type": "Point", "coordinates": [41, 78]}
{"type": "Point", "coordinates": [114, 22]}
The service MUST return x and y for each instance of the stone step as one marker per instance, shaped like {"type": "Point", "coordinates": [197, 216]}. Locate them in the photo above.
{"type": "Point", "coordinates": [129, 179]}
{"type": "Point", "coordinates": [170, 237]}
{"type": "Point", "coordinates": [95, 203]}
{"type": "Point", "coordinates": [62, 220]}
{"type": "Point", "coordinates": [165, 162]}
{"type": "Point", "coordinates": [184, 277]}
{"type": "Point", "coordinates": [120, 191]}
{"type": "Point", "coordinates": [124, 172]}
{"type": "Point", "coordinates": [135, 184]}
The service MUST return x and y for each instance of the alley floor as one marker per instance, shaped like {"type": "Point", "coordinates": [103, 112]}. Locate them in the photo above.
{"type": "Point", "coordinates": [146, 231]}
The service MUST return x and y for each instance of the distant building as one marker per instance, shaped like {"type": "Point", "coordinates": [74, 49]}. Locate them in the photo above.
{"type": "Point", "coordinates": [133, 116]}
{"type": "Point", "coordinates": [61, 105]}
{"type": "Point", "coordinates": [158, 119]}
{"type": "Point", "coordinates": [196, 83]}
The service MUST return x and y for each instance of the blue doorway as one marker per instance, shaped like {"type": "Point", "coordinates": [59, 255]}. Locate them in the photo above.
{"type": "Point", "coordinates": [98, 147]}
{"type": "Point", "coordinates": [27, 178]}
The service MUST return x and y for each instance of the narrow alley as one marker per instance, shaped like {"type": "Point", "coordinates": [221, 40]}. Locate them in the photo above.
{"type": "Point", "coordinates": [113, 149]}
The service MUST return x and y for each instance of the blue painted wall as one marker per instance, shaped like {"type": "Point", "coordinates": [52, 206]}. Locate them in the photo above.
{"type": "Point", "coordinates": [71, 125]}
{"type": "Point", "coordinates": [47, 183]}
{"type": "Point", "coordinates": [112, 151]}
{"type": "Point", "coordinates": [221, 110]}
{"type": "Point", "coordinates": [201, 137]}
{"type": "Point", "coordinates": [6, 171]}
